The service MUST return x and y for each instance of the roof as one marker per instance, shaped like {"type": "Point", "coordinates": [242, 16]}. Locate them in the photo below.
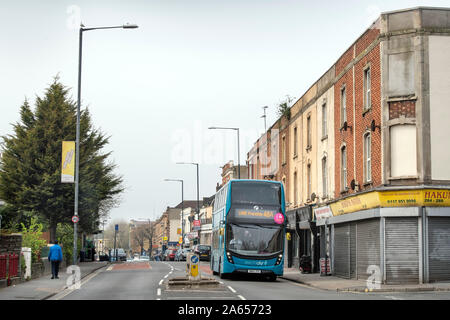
{"type": "Point", "coordinates": [189, 204]}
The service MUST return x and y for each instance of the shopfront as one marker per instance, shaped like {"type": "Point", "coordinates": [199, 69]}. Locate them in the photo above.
{"type": "Point", "coordinates": [402, 234]}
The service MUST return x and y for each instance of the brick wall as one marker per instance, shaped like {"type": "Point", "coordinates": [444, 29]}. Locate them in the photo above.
{"type": "Point", "coordinates": [360, 122]}
{"type": "Point", "coordinates": [11, 243]}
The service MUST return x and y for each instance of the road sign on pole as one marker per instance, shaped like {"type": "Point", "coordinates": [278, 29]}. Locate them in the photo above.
{"type": "Point", "coordinates": [75, 219]}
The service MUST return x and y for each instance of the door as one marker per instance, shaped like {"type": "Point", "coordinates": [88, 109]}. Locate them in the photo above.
{"type": "Point", "coordinates": [368, 246]}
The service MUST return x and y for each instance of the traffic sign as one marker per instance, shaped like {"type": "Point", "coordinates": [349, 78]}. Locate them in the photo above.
{"type": "Point", "coordinates": [117, 227]}
{"type": "Point", "coordinates": [75, 219]}
{"type": "Point", "coordinates": [194, 259]}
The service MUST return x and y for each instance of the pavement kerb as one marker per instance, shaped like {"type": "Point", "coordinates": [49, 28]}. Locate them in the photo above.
{"type": "Point", "coordinates": [363, 289]}
{"type": "Point", "coordinates": [65, 287]}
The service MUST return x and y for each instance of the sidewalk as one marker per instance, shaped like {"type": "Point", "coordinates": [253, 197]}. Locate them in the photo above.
{"type": "Point", "coordinates": [351, 285]}
{"type": "Point", "coordinates": [44, 287]}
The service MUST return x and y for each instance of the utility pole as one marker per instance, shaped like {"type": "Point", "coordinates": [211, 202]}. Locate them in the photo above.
{"type": "Point", "coordinates": [264, 116]}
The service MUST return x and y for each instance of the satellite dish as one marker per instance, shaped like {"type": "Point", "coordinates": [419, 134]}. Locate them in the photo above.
{"type": "Point", "coordinates": [353, 184]}
{"type": "Point", "coordinates": [372, 125]}
{"type": "Point", "coordinates": [313, 196]}
{"type": "Point", "coordinates": [345, 126]}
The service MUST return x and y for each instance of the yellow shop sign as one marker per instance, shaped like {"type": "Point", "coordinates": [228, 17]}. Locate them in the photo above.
{"type": "Point", "coordinates": [397, 198]}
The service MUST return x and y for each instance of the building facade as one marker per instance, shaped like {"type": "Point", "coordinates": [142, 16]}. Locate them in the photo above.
{"type": "Point", "coordinates": [361, 156]}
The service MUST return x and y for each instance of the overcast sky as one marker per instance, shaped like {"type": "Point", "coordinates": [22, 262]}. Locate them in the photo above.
{"type": "Point", "coordinates": [191, 64]}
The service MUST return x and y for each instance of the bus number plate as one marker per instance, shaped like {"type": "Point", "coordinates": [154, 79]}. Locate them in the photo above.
{"type": "Point", "coordinates": [254, 271]}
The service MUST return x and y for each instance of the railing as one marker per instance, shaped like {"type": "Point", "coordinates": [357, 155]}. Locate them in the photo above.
{"type": "Point", "coordinates": [9, 265]}
{"type": "Point", "coordinates": [3, 260]}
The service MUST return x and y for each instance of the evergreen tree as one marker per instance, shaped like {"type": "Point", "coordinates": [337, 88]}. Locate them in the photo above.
{"type": "Point", "coordinates": [30, 169]}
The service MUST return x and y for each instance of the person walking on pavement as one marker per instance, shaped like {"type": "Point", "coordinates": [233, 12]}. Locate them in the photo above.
{"type": "Point", "coordinates": [55, 257]}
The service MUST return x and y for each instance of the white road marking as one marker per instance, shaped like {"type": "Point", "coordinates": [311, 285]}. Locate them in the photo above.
{"type": "Point", "coordinates": [232, 290]}
{"type": "Point", "coordinates": [241, 297]}
{"type": "Point", "coordinates": [166, 276]}
{"type": "Point", "coordinates": [158, 292]}
{"type": "Point", "coordinates": [110, 268]}
{"type": "Point", "coordinates": [394, 298]}
{"type": "Point", "coordinates": [160, 283]}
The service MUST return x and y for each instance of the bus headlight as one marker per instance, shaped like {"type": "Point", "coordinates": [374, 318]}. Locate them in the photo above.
{"type": "Point", "coordinates": [230, 258]}
{"type": "Point", "coordinates": [280, 257]}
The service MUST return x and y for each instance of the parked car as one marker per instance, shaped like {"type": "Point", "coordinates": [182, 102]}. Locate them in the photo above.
{"type": "Point", "coordinates": [182, 254]}
{"type": "Point", "coordinates": [169, 255]}
{"type": "Point", "coordinates": [203, 251]}
{"type": "Point", "coordinates": [121, 255]}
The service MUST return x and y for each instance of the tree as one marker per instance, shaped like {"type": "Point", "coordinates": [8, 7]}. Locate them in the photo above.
{"type": "Point", "coordinates": [141, 233]}
{"type": "Point", "coordinates": [31, 164]}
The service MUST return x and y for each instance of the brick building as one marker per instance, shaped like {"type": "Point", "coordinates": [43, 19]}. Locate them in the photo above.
{"type": "Point", "coordinates": [361, 156]}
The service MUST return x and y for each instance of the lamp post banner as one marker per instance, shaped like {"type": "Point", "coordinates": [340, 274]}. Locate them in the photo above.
{"type": "Point", "coordinates": [68, 162]}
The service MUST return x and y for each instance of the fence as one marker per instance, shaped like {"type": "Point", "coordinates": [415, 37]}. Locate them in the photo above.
{"type": "Point", "coordinates": [9, 266]}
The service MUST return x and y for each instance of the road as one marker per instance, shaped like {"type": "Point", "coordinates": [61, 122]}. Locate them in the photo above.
{"type": "Point", "coordinates": [147, 281]}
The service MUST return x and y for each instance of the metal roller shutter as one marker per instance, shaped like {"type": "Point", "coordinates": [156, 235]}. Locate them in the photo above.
{"type": "Point", "coordinates": [402, 250]}
{"type": "Point", "coordinates": [353, 250]}
{"type": "Point", "coordinates": [342, 250]}
{"type": "Point", "coordinates": [439, 248]}
{"type": "Point", "coordinates": [368, 249]}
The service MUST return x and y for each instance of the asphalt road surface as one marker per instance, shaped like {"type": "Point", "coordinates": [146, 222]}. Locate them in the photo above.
{"type": "Point", "coordinates": [147, 281]}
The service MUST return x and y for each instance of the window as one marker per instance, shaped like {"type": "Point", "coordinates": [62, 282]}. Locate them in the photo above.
{"type": "Point", "coordinates": [295, 141]}
{"type": "Point", "coordinates": [295, 188]}
{"type": "Point", "coordinates": [324, 177]}
{"type": "Point", "coordinates": [367, 84]}
{"type": "Point", "coordinates": [343, 107]}
{"type": "Point", "coordinates": [309, 181]}
{"type": "Point", "coordinates": [367, 158]}
{"type": "Point", "coordinates": [324, 120]}
{"type": "Point", "coordinates": [343, 168]}
{"type": "Point", "coordinates": [283, 150]}
{"type": "Point", "coordinates": [308, 129]}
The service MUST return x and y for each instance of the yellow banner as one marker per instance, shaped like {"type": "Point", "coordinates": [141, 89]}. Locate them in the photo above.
{"type": "Point", "coordinates": [68, 162]}
{"type": "Point", "coordinates": [357, 203]}
{"type": "Point", "coordinates": [397, 198]}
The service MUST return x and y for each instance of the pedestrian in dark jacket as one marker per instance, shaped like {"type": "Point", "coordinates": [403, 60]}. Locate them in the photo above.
{"type": "Point", "coordinates": [55, 257]}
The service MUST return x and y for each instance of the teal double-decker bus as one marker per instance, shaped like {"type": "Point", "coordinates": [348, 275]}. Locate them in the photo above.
{"type": "Point", "coordinates": [248, 228]}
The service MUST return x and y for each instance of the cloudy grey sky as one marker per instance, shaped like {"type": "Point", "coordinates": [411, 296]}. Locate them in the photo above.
{"type": "Point", "coordinates": [191, 64]}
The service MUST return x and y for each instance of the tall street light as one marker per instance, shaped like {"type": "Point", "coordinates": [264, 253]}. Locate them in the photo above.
{"type": "Point", "coordinates": [77, 143]}
{"type": "Point", "coordinates": [182, 200]}
{"type": "Point", "coordinates": [239, 158]}
{"type": "Point", "coordinates": [198, 191]}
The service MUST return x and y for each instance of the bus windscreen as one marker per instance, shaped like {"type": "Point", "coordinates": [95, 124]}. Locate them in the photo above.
{"type": "Point", "coordinates": [255, 193]}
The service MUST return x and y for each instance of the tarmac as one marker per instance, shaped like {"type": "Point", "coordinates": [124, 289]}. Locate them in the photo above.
{"type": "Point", "coordinates": [45, 287]}
{"type": "Point", "coordinates": [334, 283]}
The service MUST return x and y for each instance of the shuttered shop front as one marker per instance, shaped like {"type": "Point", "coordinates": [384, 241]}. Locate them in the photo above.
{"type": "Point", "coordinates": [345, 250]}
{"type": "Point", "coordinates": [402, 250]}
{"type": "Point", "coordinates": [439, 248]}
{"type": "Point", "coordinates": [368, 246]}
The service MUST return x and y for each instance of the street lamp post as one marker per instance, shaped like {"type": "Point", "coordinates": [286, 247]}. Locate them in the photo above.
{"type": "Point", "coordinates": [198, 191]}
{"type": "Point", "coordinates": [182, 209]}
{"type": "Point", "coordinates": [77, 143]}
{"type": "Point", "coordinates": [239, 157]}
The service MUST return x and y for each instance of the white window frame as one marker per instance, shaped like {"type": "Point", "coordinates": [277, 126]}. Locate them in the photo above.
{"type": "Point", "coordinates": [344, 172]}
{"type": "Point", "coordinates": [343, 105]}
{"type": "Point", "coordinates": [367, 88]}
{"type": "Point", "coordinates": [295, 141]}
{"type": "Point", "coordinates": [367, 157]}
{"type": "Point", "coordinates": [324, 177]}
{"type": "Point", "coordinates": [324, 120]}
